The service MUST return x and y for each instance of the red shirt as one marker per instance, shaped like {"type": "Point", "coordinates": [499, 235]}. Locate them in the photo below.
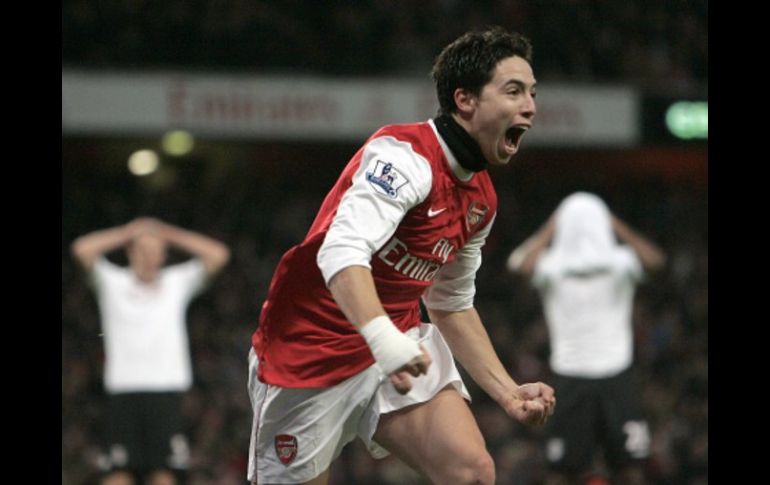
{"type": "Point", "coordinates": [399, 208]}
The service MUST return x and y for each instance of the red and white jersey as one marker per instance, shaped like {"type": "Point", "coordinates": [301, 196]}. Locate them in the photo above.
{"type": "Point", "coordinates": [406, 209]}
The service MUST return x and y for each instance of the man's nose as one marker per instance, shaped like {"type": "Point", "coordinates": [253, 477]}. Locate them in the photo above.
{"type": "Point", "coordinates": [530, 108]}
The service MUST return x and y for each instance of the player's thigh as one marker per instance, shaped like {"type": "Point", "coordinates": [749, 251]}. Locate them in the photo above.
{"type": "Point", "coordinates": [433, 435]}
{"type": "Point", "coordinates": [167, 443]}
{"type": "Point", "coordinates": [627, 437]}
{"type": "Point", "coordinates": [297, 433]}
{"type": "Point", "coordinates": [571, 431]}
{"type": "Point", "coordinates": [124, 443]}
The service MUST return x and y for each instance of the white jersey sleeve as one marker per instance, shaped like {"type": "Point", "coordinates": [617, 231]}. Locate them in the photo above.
{"type": "Point", "coordinates": [391, 180]}
{"type": "Point", "coordinates": [628, 260]}
{"type": "Point", "coordinates": [543, 271]}
{"type": "Point", "coordinates": [455, 287]}
{"type": "Point", "coordinates": [103, 271]}
{"type": "Point", "coordinates": [624, 262]}
{"type": "Point", "coordinates": [191, 276]}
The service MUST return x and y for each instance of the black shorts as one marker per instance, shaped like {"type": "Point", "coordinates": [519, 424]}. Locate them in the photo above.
{"type": "Point", "coordinates": [593, 413]}
{"type": "Point", "coordinates": [145, 431]}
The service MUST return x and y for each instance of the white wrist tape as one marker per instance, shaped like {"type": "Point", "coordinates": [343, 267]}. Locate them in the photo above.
{"type": "Point", "coordinates": [390, 347]}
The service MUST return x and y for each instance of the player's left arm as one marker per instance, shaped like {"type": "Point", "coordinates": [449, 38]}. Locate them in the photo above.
{"type": "Point", "coordinates": [463, 330]}
{"type": "Point", "coordinates": [450, 305]}
{"type": "Point", "coordinates": [524, 258]}
{"type": "Point", "coordinates": [651, 256]}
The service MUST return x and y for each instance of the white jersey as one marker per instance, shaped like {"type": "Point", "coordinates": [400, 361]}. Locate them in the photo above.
{"type": "Point", "coordinates": [145, 334]}
{"type": "Point", "coordinates": [589, 314]}
{"type": "Point", "coordinates": [587, 282]}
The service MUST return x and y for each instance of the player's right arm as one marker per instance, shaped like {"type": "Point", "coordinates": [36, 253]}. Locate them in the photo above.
{"type": "Point", "coordinates": [524, 258]}
{"type": "Point", "coordinates": [367, 217]}
{"type": "Point", "coordinates": [88, 248]}
{"type": "Point", "coordinates": [398, 355]}
{"type": "Point", "coordinates": [651, 256]}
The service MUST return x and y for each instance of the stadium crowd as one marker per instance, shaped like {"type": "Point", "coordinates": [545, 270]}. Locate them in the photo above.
{"type": "Point", "coordinates": [654, 44]}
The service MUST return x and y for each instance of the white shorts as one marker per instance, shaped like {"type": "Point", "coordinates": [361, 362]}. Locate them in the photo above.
{"type": "Point", "coordinates": [297, 433]}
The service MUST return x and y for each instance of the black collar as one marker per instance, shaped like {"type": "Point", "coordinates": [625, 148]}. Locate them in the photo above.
{"type": "Point", "coordinates": [463, 146]}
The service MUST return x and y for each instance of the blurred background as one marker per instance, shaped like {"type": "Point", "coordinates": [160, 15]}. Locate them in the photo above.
{"type": "Point", "coordinates": [234, 117]}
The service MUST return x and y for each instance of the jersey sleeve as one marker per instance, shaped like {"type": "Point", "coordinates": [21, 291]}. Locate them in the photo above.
{"type": "Point", "coordinates": [455, 285]}
{"type": "Point", "coordinates": [627, 260]}
{"type": "Point", "coordinates": [391, 179]}
{"type": "Point", "coordinates": [543, 270]}
{"type": "Point", "coordinates": [624, 262]}
{"type": "Point", "coordinates": [102, 270]}
{"type": "Point", "coordinates": [190, 275]}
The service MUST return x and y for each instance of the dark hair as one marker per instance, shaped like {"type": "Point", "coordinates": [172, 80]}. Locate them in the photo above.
{"type": "Point", "coordinates": [469, 62]}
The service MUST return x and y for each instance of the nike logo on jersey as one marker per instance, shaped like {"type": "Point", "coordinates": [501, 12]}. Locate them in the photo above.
{"type": "Point", "coordinates": [432, 213]}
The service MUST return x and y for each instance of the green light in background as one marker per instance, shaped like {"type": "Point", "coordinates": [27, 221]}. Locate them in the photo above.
{"type": "Point", "coordinates": [177, 143]}
{"type": "Point", "coordinates": [688, 119]}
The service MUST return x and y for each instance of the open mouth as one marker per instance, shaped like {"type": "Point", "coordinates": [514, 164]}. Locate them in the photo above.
{"type": "Point", "coordinates": [513, 135]}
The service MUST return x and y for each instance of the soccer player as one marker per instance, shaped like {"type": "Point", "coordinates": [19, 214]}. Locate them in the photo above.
{"type": "Point", "coordinates": [147, 358]}
{"type": "Point", "coordinates": [340, 350]}
{"type": "Point", "coordinates": [587, 283]}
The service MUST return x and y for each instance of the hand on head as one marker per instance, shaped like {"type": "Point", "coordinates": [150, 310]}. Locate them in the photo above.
{"type": "Point", "coordinates": [145, 225]}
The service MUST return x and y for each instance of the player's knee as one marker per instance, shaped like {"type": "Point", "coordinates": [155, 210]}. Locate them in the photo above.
{"type": "Point", "coordinates": [118, 478]}
{"type": "Point", "coordinates": [632, 475]}
{"type": "Point", "coordinates": [484, 469]}
{"type": "Point", "coordinates": [162, 477]}
{"type": "Point", "coordinates": [478, 468]}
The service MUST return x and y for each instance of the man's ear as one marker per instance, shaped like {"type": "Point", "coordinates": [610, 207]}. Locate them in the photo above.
{"type": "Point", "coordinates": [465, 101]}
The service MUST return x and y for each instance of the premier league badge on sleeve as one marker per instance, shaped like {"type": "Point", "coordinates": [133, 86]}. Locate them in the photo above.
{"type": "Point", "coordinates": [386, 179]}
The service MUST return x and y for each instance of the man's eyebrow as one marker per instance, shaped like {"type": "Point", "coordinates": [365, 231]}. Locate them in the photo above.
{"type": "Point", "coordinates": [519, 84]}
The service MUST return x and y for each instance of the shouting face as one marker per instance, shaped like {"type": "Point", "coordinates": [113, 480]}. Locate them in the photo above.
{"type": "Point", "coordinates": [500, 115]}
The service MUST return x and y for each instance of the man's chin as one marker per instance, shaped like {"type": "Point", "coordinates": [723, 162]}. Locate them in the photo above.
{"type": "Point", "coordinates": [500, 161]}
{"type": "Point", "coordinates": [147, 277]}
